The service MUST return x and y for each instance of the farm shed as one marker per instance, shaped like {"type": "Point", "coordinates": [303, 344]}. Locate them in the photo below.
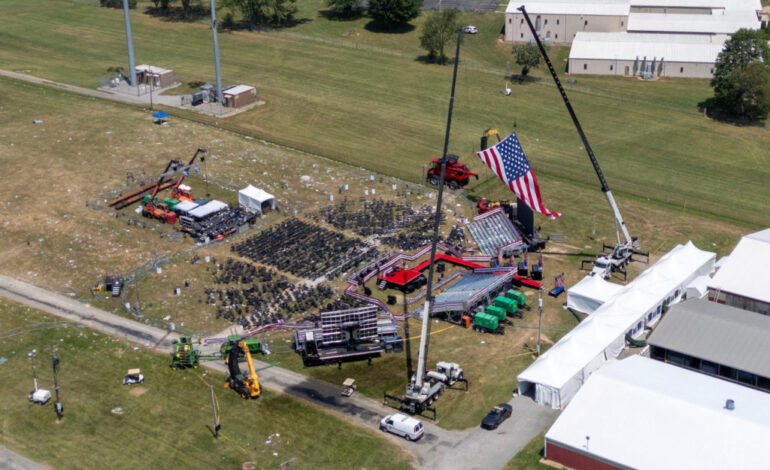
{"type": "Point", "coordinates": [649, 55]}
{"type": "Point", "coordinates": [239, 95]}
{"type": "Point", "coordinates": [256, 200]}
{"type": "Point", "coordinates": [555, 377]}
{"type": "Point", "coordinates": [156, 76]}
{"type": "Point", "coordinates": [716, 340]}
{"type": "Point", "coordinates": [641, 413]}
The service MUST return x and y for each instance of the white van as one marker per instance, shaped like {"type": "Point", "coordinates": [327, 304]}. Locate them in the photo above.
{"type": "Point", "coordinates": [402, 425]}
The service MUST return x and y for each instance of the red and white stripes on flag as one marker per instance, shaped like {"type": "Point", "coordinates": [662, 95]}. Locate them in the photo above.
{"type": "Point", "coordinates": [507, 161]}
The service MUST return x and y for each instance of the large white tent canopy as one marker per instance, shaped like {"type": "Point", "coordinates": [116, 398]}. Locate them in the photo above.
{"type": "Point", "coordinates": [590, 293]}
{"type": "Point", "coordinates": [555, 377]}
{"type": "Point", "coordinates": [744, 273]}
{"type": "Point", "coordinates": [255, 199]}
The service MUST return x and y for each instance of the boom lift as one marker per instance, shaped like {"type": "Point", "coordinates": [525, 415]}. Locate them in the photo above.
{"type": "Point", "coordinates": [182, 192]}
{"type": "Point", "coordinates": [246, 385]}
{"type": "Point", "coordinates": [158, 211]}
{"type": "Point", "coordinates": [623, 251]}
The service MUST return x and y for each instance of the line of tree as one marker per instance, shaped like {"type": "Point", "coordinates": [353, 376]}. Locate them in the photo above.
{"type": "Point", "coordinates": [742, 76]}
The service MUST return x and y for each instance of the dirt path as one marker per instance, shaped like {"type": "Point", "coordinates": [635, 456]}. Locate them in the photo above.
{"type": "Point", "coordinates": [470, 449]}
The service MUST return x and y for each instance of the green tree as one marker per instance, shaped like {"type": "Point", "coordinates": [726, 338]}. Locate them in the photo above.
{"type": "Point", "coordinates": [745, 92]}
{"type": "Point", "coordinates": [344, 8]}
{"type": "Point", "coordinates": [438, 30]}
{"type": "Point", "coordinates": [527, 55]}
{"type": "Point", "coordinates": [741, 75]}
{"type": "Point", "coordinates": [394, 12]}
{"type": "Point", "coordinates": [264, 12]}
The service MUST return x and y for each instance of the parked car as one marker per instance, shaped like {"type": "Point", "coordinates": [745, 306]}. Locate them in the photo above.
{"type": "Point", "coordinates": [409, 428]}
{"type": "Point", "coordinates": [470, 29]}
{"type": "Point", "coordinates": [498, 414]}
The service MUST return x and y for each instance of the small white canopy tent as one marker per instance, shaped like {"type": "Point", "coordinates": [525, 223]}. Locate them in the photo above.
{"type": "Point", "coordinates": [555, 377]}
{"type": "Point", "coordinates": [698, 288]}
{"type": "Point", "coordinates": [256, 200]}
{"type": "Point", "coordinates": [590, 293]}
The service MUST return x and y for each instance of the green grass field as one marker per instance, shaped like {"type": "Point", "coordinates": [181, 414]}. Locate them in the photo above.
{"type": "Point", "coordinates": [337, 89]}
{"type": "Point", "coordinates": [164, 421]}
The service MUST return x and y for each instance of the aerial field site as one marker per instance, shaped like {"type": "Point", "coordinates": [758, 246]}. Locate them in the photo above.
{"type": "Point", "coordinates": [384, 234]}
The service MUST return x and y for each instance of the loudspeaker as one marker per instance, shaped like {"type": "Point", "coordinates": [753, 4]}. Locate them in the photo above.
{"type": "Point", "coordinates": [391, 300]}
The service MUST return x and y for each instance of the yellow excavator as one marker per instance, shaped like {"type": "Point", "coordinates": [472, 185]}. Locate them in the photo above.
{"type": "Point", "coordinates": [246, 385]}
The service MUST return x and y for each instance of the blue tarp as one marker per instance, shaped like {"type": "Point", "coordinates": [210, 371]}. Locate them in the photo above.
{"type": "Point", "coordinates": [160, 115]}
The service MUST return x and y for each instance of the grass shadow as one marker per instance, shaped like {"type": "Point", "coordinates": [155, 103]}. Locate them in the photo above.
{"type": "Point", "coordinates": [523, 79]}
{"type": "Point", "coordinates": [334, 16]}
{"type": "Point", "coordinates": [376, 27]}
{"type": "Point", "coordinates": [427, 59]}
{"type": "Point", "coordinates": [228, 25]}
{"type": "Point", "coordinates": [711, 109]}
{"type": "Point", "coordinates": [177, 13]}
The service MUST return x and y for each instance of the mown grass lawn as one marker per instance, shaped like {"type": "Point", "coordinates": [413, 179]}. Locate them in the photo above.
{"type": "Point", "coordinates": [338, 89]}
{"type": "Point", "coordinates": [164, 421]}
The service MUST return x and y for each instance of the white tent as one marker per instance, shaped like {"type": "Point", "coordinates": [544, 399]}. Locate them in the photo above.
{"type": "Point", "coordinates": [555, 377]}
{"type": "Point", "coordinates": [590, 293]}
{"type": "Point", "coordinates": [255, 199]}
{"type": "Point", "coordinates": [207, 209]}
{"type": "Point", "coordinates": [698, 288]}
{"type": "Point", "coordinates": [742, 280]}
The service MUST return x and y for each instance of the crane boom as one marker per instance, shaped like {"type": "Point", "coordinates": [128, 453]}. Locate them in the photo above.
{"type": "Point", "coordinates": [425, 330]}
{"type": "Point", "coordinates": [605, 187]}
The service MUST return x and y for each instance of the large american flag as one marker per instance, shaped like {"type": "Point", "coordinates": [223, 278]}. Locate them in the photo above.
{"type": "Point", "coordinates": [507, 160]}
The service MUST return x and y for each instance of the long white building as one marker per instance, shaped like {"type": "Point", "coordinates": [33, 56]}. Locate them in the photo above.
{"type": "Point", "coordinates": [674, 38]}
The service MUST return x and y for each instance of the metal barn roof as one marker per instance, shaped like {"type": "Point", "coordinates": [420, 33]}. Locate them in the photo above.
{"type": "Point", "coordinates": [571, 7]}
{"type": "Point", "coordinates": [642, 413]}
{"type": "Point", "coordinates": [745, 273]}
{"type": "Point", "coordinates": [718, 333]}
{"type": "Point", "coordinates": [237, 89]}
{"type": "Point", "coordinates": [700, 48]}
{"type": "Point", "coordinates": [152, 69]}
{"type": "Point", "coordinates": [726, 22]}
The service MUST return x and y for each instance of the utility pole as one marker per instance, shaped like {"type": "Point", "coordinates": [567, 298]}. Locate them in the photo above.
{"type": "Point", "coordinates": [130, 42]}
{"type": "Point", "coordinates": [214, 407]}
{"type": "Point", "coordinates": [539, 318]}
{"type": "Point", "coordinates": [216, 50]}
{"type": "Point", "coordinates": [55, 362]}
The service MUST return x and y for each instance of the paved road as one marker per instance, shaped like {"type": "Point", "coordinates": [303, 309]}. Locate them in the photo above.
{"type": "Point", "coordinates": [10, 460]}
{"type": "Point", "coordinates": [469, 449]}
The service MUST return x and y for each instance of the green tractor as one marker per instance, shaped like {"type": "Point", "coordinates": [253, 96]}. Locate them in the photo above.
{"type": "Point", "coordinates": [255, 346]}
{"type": "Point", "coordinates": [184, 355]}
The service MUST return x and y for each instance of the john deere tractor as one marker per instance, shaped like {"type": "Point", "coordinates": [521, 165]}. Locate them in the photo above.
{"type": "Point", "coordinates": [184, 355]}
